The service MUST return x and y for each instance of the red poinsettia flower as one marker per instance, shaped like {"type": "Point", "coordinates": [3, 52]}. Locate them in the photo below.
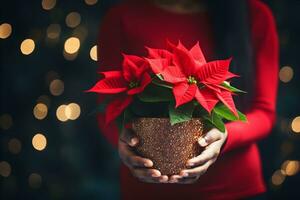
{"type": "Point", "coordinates": [193, 77]}
{"type": "Point", "coordinates": [130, 81]}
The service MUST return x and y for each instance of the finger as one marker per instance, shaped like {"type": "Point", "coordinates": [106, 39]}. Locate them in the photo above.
{"type": "Point", "coordinates": [161, 179]}
{"type": "Point", "coordinates": [211, 152]}
{"type": "Point", "coordinates": [129, 137]}
{"type": "Point", "coordinates": [210, 137]}
{"type": "Point", "coordinates": [197, 171]}
{"type": "Point", "coordinates": [130, 158]}
{"type": "Point", "coordinates": [146, 173]}
{"type": "Point", "coordinates": [174, 178]}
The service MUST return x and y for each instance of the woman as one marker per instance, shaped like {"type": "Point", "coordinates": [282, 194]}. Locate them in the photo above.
{"type": "Point", "coordinates": [230, 166]}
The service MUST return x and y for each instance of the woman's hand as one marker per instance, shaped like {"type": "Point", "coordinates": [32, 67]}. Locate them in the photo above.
{"type": "Point", "coordinates": [197, 166]}
{"type": "Point", "coordinates": [140, 167]}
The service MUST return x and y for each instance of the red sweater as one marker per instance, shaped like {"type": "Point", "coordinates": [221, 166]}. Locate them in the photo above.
{"type": "Point", "coordinates": [237, 172]}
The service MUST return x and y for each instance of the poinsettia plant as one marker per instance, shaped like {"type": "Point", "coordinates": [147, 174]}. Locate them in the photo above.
{"type": "Point", "coordinates": [174, 82]}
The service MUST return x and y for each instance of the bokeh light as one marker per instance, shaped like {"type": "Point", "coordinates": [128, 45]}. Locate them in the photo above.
{"type": "Point", "coordinates": [35, 180]}
{"type": "Point", "coordinates": [5, 169]}
{"type": "Point", "coordinates": [48, 4]}
{"type": "Point", "coordinates": [91, 2]}
{"type": "Point", "coordinates": [56, 87]}
{"type": "Point", "coordinates": [286, 74]}
{"type": "Point", "coordinates": [70, 57]}
{"type": "Point", "coordinates": [73, 19]}
{"type": "Point", "coordinates": [61, 113]}
{"type": "Point", "coordinates": [80, 32]}
{"type": "Point", "coordinates": [6, 121]}
{"type": "Point", "coordinates": [290, 167]}
{"type": "Point", "coordinates": [72, 45]}
{"type": "Point", "coordinates": [296, 124]}
{"type": "Point", "coordinates": [39, 142]}
{"type": "Point", "coordinates": [278, 178]}
{"type": "Point", "coordinates": [27, 46]}
{"type": "Point", "coordinates": [93, 53]}
{"type": "Point", "coordinates": [40, 111]}
{"type": "Point", "coordinates": [53, 31]}
{"type": "Point", "coordinates": [14, 146]}
{"type": "Point", "coordinates": [5, 30]}
{"type": "Point", "coordinates": [72, 111]}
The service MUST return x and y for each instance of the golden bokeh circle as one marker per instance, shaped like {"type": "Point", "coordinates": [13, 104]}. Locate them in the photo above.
{"type": "Point", "coordinates": [278, 178]}
{"type": "Point", "coordinates": [296, 124]}
{"type": "Point", "coordinates": [14, 146]}
{"type": "Point", "coordinates": [40, 111]}
{"type": "Point", "coordinates": [53, 31]}
{"type": "Point", "coordinates": [48, 4]}
{"type": "Point", "coordinates": [56, 87]}
{"type": "Point", "coordinates": [73, 19]}
{"type": "Point", "coordinates": [27, 46]}
{"type": "Point", "coordinates": [5, 30]}
{"type": "Point", "coordinates": [286, 74]}
{"type": "Point", "coordinates": [61, 113]}
{"type": "Point", "coordinates": [39, 142]}
{"type": "Point", "coordinates": [72, 111]}
{"type": "Point", "coordinates": [6, 121]}
{"type": "Point", "coordinates": [72, 45]}
{"type": "Point", "coordinates": [93, 53]}
{"type": "Point", "coordinates": [91, 2]}
{"type": "Point", "coordinates": [5, 169]}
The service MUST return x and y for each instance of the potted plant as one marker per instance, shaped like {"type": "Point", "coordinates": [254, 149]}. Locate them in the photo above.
{"type": "Point", "coordinates": [169, 97]}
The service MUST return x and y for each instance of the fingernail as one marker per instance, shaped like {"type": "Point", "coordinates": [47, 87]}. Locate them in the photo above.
{"type": "Point", "coordinates": [202, 142]}
{"type": "Point", "coordinates": [148, 164]}
{"type": "Point", "coordinates": [134, 141]}
{"type": "Point", "coordinates": [185, 174]}
{"type": "Point", "coordinates": [155, 175]}
{"type": "Point", "coordinates": [190, 164]}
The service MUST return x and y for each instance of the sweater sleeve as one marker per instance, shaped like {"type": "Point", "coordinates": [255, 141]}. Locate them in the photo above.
{"type": "Point", "coordinates": [261, 116]}
{"type": "Point", "coordinates": [109, 58]}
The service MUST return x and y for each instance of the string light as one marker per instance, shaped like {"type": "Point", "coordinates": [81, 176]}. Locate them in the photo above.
{"type": "Point", "coordinates": [27, 46]}
{"type": "Point", "coordinates": [72, 45]}
{"type": "Point", "coordinates": [286, 74]}
{"type": "Point", "coordinates": [278, 178]}
{"type": "Point", "coordinates": [93, 53]}
{"type": "Point", "coordinates": [14, 146]}
{"type": "Point", "coordinates": [39, 142]}
{"type": "Point", "coordinates": [73, 19]}
{"type": "Point", "coordinates": [72, 111]}
{"type": "Point", "coordinates": [34, 180]}
{"type": "Point", "coordinates": [56, 87]}
{"type": "Point", "coordinates": [5, 30]}
{"type": "Point", "coordinates": [40, 111]}
{"type": "Point", "coordinates": [53, 31]}
{"type": "Point", "coordinates": [296, 125]}
{"type": "Point", "coordinates": [61, 113]}
{"type": "Point", "coordinates": [48, 4]}
{"type": "Point", "coordinates": [5, 169]}
{"type": "Point", "coordinates": [91, 2]}
{"type": "Point", "coordinates": [5, 121]}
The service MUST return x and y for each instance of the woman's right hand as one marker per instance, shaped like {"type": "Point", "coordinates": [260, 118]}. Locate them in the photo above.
{"type": "Point", "coordinates": [140, 167]}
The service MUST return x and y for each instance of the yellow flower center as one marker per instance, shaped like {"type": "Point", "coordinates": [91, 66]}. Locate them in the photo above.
{"type": "Point", "coordinates": [191, 80]}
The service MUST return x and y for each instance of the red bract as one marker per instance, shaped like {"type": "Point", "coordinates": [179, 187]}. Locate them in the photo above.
{"type": "Point", "coordinates": [130, 81]}
{"type": "Point", "coordinates": [193, 77]}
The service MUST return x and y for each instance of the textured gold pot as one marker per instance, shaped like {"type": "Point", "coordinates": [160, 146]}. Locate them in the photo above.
{"type": "Point", "coordinates": [169, 147]}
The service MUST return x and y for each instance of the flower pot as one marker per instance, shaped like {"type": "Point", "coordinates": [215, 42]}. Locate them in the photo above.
{"type": "Point", "coordinates": [168, 146]}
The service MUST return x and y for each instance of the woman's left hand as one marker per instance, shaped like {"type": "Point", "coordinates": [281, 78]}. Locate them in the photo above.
{"type": "Point", "coordinates": [212, 141]}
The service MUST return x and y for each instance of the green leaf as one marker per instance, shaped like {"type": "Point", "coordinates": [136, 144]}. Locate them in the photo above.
{"type": "Point", "coordinates": [182, 113]}
{"type": "Point", "coordinates": [161, 83]}
{"type": "Point", "coordinates": [225, 113]}
{"type": "Point", "coordinates": [216, 121]}
{"type": "Point", "coordinates": [231, 88]}
{"type": "Point", "coordinates": [154, 93]}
